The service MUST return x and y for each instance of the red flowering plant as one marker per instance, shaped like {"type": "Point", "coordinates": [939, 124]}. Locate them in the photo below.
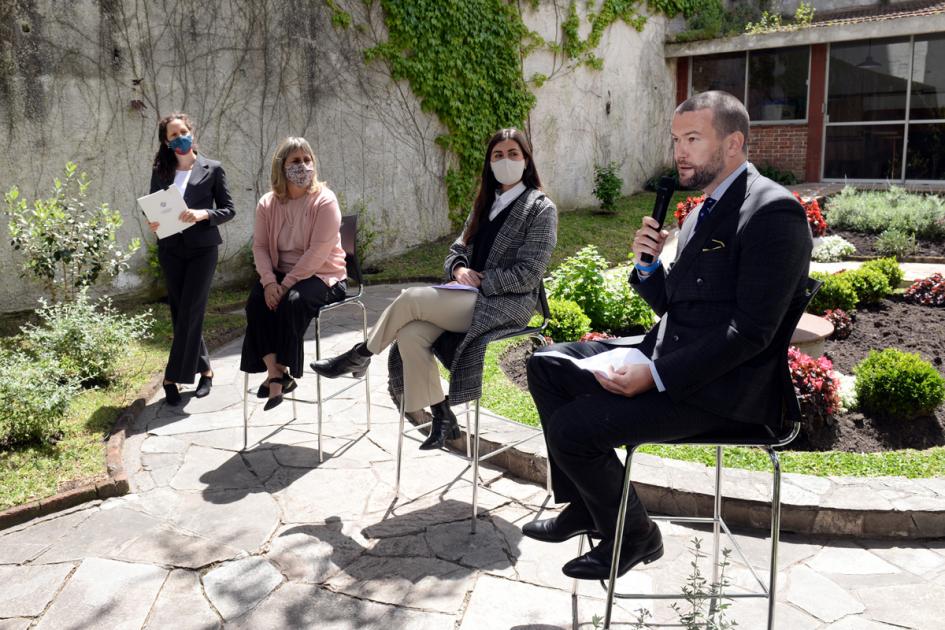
{"type": "Point", "coordinates": [818, 225]}
{"type": "Point", "coordinates": [683, 208]}
{"type": "Point", "coordinates": [927, 291]}
{"type": "Point", "coordinates": [595, 336]}
{"type": "Point", "coordinates": [842, 322]}
{"type": "Point", "coordinates": [818, 389]}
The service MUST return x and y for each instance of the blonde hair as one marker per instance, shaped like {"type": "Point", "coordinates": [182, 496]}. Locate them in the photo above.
{"type": "Point", "coordinates": [277, 177]}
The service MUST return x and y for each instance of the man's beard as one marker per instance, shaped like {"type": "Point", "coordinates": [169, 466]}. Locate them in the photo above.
{"type": "Point", "coordinates": [704, 175]}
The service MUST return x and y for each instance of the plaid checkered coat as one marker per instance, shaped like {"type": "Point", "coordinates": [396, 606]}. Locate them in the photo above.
{"type": "Point", "coordinates": [507, 296]}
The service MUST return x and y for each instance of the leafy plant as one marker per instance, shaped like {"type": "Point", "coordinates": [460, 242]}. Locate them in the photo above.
{"type": "Point", "coordinates": [769, 22]}
{"type": "Point", "coordinates": [652, 183]}
{"type": "Point", "coordinates": [568, 322]}
{"type": "Point", "coordinates": [889, 268]}
{"type": "Point", "coordinates": [85, 340]}
{"type": "Point", "coordinates": [783, 177]}
{"type": "Point", "coordinates": [66, 243]}
{"type": "Point", "coordinates": [896, 243]}
{"type": "Point", "coordinates": [607, 186]}
{"type": "Point", "coordinates": [876, 211]}
{"type": "Point", "coordinates": [927, 291]}
{"type": "Point", "coordinates": [842, 323]}
{"type": "Point", "coordinates": [870, 284]}
{"type": "Point", "coordinates": [368, 230]}
{"type": "Point", "coordinates": [29, 412]}
{"type": "Point", "coordinates": [832, 248]}
{"type": "Point", "coordinates": [847, 392]}
{"type": "Point", "coordinates": [711, 19]}
{"type": "Point", "coordinates": [817, 388]}
{"type": "Point", "coordinates": [898, 385]}
{"type": "Point", "coordinates": [836, 292]}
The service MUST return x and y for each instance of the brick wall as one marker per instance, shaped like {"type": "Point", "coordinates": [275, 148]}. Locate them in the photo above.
{"type": "Point", "coordinates": [782, 146]}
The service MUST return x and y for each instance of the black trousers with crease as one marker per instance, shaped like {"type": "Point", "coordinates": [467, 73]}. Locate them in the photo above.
{"type": "Point", "coordinates": [583, 424]}
{"type": "Point", "coordinates": [188, 273]}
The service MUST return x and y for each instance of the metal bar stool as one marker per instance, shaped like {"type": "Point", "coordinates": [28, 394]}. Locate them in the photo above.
{"type": "Point", "coordinates": [472, 445]}
{"type": "Point", "coordinates": [765, 438]}
{"type": "Point", "coordinates": [349, 233]}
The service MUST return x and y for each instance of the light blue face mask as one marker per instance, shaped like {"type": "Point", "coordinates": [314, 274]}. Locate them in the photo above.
{"type": "Point", "coordinates": [181, 144]}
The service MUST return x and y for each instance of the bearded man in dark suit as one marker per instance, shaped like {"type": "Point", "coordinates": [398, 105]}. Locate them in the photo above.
{"type": "Point", "coordinates": [710, 364]}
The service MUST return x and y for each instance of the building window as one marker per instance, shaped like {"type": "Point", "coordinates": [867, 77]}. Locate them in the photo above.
{"type": "Point", "coordinates": [773, 83]}
{"type": "Point", "coordinates": [886, 109]}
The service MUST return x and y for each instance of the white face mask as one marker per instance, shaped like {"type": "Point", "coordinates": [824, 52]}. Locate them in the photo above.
{"type": "Point", "coordinates": [508, 171]}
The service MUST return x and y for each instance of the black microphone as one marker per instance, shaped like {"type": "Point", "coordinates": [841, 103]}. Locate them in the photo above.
{"type": "Point", "coordinates": [664, 192]}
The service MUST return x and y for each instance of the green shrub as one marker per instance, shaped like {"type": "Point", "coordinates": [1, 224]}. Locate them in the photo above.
{"type": "Point", "coordinates": [87, 340]}
{"type": "Point", "coordinates": [870, 285]}
{"type": "Point", "coordinates": [889, 268]}
{"type": "Point", "coordinates": [33, 401]}
{"type": "Point", "coordinates": [783, 177]}
{"type": "Point", "coordinates": [898, 385]}
{"type": "Point", "coordinates": [874, 212]}
{"type": "Point", "coordinates": [607, 186]}
{"type": "Point", "coordinates": [836, 292]}
{"type": "Point", "coordinates": [896, 243]}
{"type": "Point", "coordinates": [623, 308]}
{"type": "Point", "coordinates": [568, 322]}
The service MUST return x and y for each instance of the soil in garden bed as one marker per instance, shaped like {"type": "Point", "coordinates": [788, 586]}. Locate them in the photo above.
{"type": "Point", "coordinates": [866, 244]}
{"type": "Point", "coordinates": [892, 323]}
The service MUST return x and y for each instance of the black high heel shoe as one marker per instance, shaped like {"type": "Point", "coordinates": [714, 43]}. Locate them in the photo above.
{"type": "Point", "coordinates": [444, 427]}
{"type": "Point", "coordinates": [276, 400]}
{"type": "Point", "coordinates": [351, 361]}
{"type": "Point", "coordinates": [171, 394]}
{"type": "Point", "coordinates": [203, 386]}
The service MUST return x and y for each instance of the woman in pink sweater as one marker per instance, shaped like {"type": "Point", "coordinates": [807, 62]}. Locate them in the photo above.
{"type": "Point", "coordinates": [301, 266]}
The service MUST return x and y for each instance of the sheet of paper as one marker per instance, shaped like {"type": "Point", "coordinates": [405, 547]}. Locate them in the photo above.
{"type": "Point", "coordinates": [455, 287]}
{"type": "Point", "coordinates": [600, 363]}
{"type": "Point", "coordinates": [164, 207]}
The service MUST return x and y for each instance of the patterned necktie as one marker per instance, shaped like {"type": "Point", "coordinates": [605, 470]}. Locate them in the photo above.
{"type": "Point", "coordinates": [707, 206]}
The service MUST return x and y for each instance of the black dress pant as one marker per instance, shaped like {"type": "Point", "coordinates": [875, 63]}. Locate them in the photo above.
{"type": "Point", "coordinates": [188, 272]}
{"type": "Point", "coordinates": [282, 331]}
{"type": "Point", "coordinates": [583, 423]}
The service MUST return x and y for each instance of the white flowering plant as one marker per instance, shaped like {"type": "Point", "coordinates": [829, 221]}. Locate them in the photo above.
{"type": "Point", "coordinates": [832, 249]}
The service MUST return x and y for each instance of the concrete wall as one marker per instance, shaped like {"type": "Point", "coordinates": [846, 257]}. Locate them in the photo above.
{"type": "Point", "coordinates": [86, 80]}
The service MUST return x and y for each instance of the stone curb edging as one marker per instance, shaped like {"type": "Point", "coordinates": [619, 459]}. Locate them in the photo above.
{"type": "Point", "coordinates": [117, 483]}
{"type": "Point", "coordinates": [873, 507]}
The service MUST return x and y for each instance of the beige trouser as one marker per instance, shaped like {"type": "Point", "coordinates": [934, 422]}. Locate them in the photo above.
{"type": "Point", "coordinates": [415, 319]}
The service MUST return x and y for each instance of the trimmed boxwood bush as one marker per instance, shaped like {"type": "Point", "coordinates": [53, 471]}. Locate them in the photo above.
{"type": "Point", "coordinates": [836, 292]}
{"type": "Point", "coordinates": [890, 268]}
{"type": "Point", "coordinates": [568, 322]}
{"type": "Point", "coordinates": [900, 385]}
{"type": "Point", "coordinates": [870, 285]}
{"type": "Point", "coordinates": [33, 401]}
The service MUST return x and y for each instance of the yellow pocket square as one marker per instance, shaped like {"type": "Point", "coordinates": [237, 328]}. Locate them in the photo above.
{"type": "Point", "coordinates": [715, 246]}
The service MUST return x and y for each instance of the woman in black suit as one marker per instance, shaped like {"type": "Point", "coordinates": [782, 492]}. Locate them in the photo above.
{"type": "Point", "coordinates": [188, 258]}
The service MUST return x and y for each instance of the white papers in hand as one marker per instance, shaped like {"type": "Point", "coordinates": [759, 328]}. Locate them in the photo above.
{"type": "Point", "coordinates": [455, 286]}
{"type": "Point", "coordinates": [165, 207]}
{"type": "Point", "coordinates": [600, 363]}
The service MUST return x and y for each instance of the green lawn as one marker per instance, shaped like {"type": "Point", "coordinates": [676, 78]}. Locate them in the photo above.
{"type": "Point", "coordinates": [33, 472]}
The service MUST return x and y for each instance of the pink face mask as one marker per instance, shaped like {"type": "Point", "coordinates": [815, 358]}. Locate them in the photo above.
{"type": "Point", "coordinates": [300, 174]}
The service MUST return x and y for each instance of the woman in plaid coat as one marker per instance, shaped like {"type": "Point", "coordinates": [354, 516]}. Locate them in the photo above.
{"type": "Point", "coordinates": [493, 273]}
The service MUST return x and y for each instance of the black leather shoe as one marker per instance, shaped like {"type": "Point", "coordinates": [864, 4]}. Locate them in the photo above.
{"type": "Point", "coordinates": [171, 394]}
{"type": "Point", "coordinates": [568, 524]}
{"type": "Point", "coordinates": [350, 362]}
{"type": "Point", "coordinates": [274, 401]}
{"type": "Point", "coordinates": [203, 386]}
{"type": "Point", "coordinates": [595, 564]}
{"type": "Point", "coordinates": [444, 427]}
{"type": "Point", "coordinates": [288, 384]}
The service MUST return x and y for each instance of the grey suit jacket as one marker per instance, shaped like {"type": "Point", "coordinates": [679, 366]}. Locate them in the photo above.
{"type": "Point", "coordinates": [507, 297]}
{"type": "Point", "coordinates": [723, 300]}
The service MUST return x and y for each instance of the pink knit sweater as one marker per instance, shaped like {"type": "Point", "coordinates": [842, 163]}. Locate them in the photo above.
{"type": "Point", "coordinates": [323, 257]}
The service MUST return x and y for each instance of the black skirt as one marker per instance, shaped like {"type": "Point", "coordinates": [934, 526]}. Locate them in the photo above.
{"type": "Point", "coordinates": [282, 331]}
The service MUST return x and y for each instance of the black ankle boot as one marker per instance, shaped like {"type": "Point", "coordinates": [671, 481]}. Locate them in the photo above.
{"type": "Point", "coordinates": [444, 427]}
{"type": "Point", "coordinates": [351, 361]}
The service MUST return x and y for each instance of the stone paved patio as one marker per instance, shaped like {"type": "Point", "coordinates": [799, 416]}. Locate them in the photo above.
{"type": "Point", "coordinates": [213, 536]}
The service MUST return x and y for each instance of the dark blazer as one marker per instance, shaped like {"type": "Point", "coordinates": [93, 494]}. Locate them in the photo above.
{"type": "Point", "coordinates": [723, 298]}
{"type": "Point", "coordinates": [507, 296]}
{"type": "Point", "coordinates": [206, 190]}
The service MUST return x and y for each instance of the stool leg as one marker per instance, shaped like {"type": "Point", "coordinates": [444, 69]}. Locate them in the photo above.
{"type": "Point", "coordinates": [574, 586]}
{"type": "Point", "coordinates": [318, 386]}
{"type": "Point", "coordinates": [716, 530]}
{"type": "Point", "coordinates": [618, 541]}
{"type": "Point", "coordinates": [245, 410]}
{"type": "Point", "coordinates": [468, 443]}
{"type": "Point", "coordinates": [400, 445]}
{"type": "Point", "coordinates": [475, 470]}
{"type": "Point", "coordinates": [775, 534]}
{"type": "Point", "coordinates": [367, 374]}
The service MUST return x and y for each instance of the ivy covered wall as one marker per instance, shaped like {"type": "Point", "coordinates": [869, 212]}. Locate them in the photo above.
{"type": "Point", "coordinates": [393, 108]}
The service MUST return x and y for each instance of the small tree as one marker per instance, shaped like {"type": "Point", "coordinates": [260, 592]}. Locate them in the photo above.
{"type": "Point", "coordinates": [607, 186]}
{"type": "Point", "coordinates": [67, 243]}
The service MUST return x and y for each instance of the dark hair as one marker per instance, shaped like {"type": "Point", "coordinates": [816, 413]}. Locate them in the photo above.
{"type": "Point", "coordinates": [728, 113]}
{"type": "Point", "coordinates": [165, 160]}
{"type": "Point", "coordinates": [488, 184]}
